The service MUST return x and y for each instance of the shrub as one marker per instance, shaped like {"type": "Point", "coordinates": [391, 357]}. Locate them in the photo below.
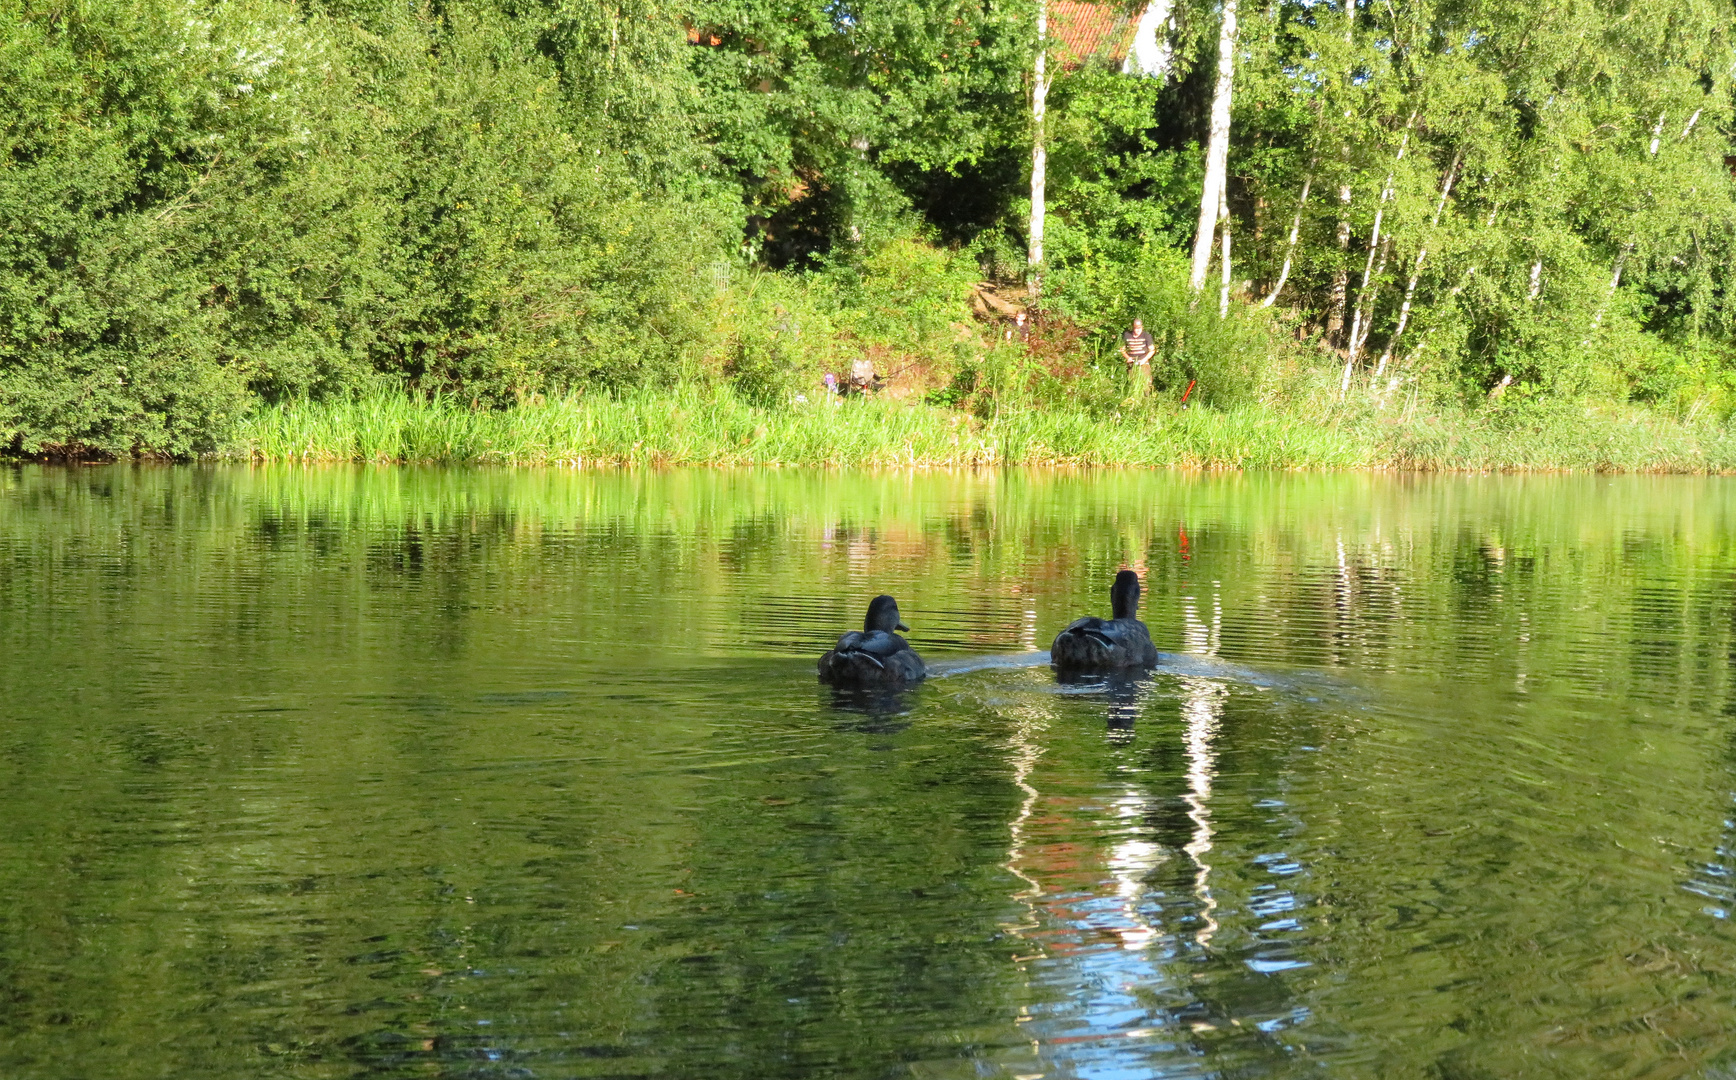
{"type": "Point", "coordinates": [1227, 358]}
{"type": "Point", "coordinates": [195, 211]}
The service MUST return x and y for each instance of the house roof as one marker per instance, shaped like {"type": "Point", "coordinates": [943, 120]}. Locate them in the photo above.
{"type": "Point", "coordinates": [1086, 30]}
{"type": "Point", "coordinates": [1081, 30]}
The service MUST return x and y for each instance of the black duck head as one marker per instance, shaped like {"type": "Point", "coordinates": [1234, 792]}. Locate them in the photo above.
{"type": "Point", "coordinates": [883, 615]}
{"type": "Point", "coordinates": [1124, 595]}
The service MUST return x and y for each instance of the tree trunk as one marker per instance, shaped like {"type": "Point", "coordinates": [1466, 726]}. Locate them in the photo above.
{"type": "Point", "coordinates": [1410, 288]}
{"type": "Point", "coordinates": [1295, 230]}
{"type": "Point", "coordinates": [1356, 332]}
{"type": "Point", "coordinates": [1151, 54]}
{"type": "Point", "coordinates": [1039, 151]}
{"type": "Point", "coordinates": [1341, 275]}
{"type": "Point", "coordinates": [1258, 210]}
{"type": "Point", "coordinates": [1217, 148]}
{"type": "Point", "coordinates": [1614, 283]}
{"type": "Point", "coordinates": [1357, 339]}
{"type": "Point", "coordinates": [1373, 296]}
{"type": "Point", "coordinates": [1464, 280]}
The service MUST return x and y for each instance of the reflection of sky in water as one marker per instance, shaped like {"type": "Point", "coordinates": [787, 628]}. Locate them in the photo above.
{"type": "Point", "coordinates": [1104, 947]}
{"type": "Point", "coordinates": [1120, 924]}
{"type": "Point", "coordinates": [1114, 967]}
{"type": "Point", "coordinates": [1716, 880]}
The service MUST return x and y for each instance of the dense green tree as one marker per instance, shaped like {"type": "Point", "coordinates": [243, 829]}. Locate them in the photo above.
{"type": "Point", "coordinates": [833, 116]}
{"type": "Point", "coordinates": [200, 202]}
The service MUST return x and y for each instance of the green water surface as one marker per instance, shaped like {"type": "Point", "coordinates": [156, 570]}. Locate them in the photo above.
{"type": "Point", "coordinates": [439, 773]}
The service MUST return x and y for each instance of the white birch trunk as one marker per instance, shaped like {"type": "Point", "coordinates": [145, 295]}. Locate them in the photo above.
{"type": "Point", "coordinates": [1536, 288]}
{"type": "Point", "coordinates": [1374, 294]}
{"type": "Point", "coordinates": [1340, 274]}
{"type": "Point", "coordinates": [1609, 293]}
{"type": "Point", "coordinates": [1356, 332]}
{"type": "Point", "coordinates": [1356, 341]}
{"type": "Point", "coordinates": [1295, 230]}
{"type": "Point", "coordinates": [1151, 54]}
{"type": "Point", "coordinates": [1039, 151]}
{"type": "Point", "coordinates": [1217, 148]}
{"type": "Point", "coordinates": [1410, 288]}
{"type": "Point", "coordinates": [1464, 280]}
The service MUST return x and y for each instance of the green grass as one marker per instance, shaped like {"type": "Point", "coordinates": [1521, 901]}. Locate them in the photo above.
{"type": "Point", "coordinates": [700, 426]}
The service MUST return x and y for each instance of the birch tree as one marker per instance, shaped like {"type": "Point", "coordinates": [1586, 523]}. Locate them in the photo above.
{"type": "Point", "coordinates": [1295, 231]}
{"type": "Point", "coordinates": [1374, 239]}
{"type": "Point", "coordinates": [1410, 289]}
{"type": "Point", "coordinates": [1212, 195]}
{"type": "Point", "coordinates": [1039, 150]}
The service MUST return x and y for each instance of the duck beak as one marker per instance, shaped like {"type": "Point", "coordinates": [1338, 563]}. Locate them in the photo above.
{"type": "Point", "coordinates": [904, 628]}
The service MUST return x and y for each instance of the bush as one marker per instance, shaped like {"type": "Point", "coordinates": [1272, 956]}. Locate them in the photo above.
{"type": "Point", "coordinates": [773, 336]}
{"type": "Point", "coordinates": [1227, 358]}
{"type": "Point", "coordinates": [196, 211]}
{"type": "Point", "coordinates": [138, 278]}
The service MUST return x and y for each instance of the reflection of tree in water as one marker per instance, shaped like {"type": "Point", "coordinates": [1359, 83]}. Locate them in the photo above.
{"type": "Point", "coordinates": [791, 916]}
{"type": "Point", "coordinates": [1202, 710]}
{"type": "Point", "coordinates": [841, 908]}
{"type": "Point", "coordinates": [1715, 879]}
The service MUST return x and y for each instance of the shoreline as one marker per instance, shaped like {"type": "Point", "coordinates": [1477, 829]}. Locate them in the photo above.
{"type": "Point", "coordinates": [693, 426]}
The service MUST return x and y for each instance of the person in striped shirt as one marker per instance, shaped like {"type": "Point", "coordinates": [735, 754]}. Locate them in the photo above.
{"type": "Point", "coordinates": [1137, 349]}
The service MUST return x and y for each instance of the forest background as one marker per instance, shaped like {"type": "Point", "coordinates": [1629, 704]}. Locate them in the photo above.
{"type": "Point", "coordinates": [1472, 232]}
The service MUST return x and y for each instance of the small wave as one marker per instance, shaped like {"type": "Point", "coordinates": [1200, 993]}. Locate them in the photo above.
{"type": "Point", "coordinates": [1306, 686]}
{"type": "Point", "coordinates": [940, 669]}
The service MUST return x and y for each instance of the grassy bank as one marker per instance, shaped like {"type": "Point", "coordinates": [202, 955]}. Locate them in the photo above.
{"type": "Point", "coordinates": [695, 426]}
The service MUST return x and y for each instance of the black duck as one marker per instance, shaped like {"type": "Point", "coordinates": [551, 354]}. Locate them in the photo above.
{"type": "Point", "coordinates": [1096, 646]}
{"type": "Point", "coordinates": [874, 657]}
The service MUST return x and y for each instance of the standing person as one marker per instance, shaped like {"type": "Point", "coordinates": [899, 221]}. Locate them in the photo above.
{"type": "Point", "coordinates": [1020, 331]}
{"type": "Point", "coordinates": [862, 377]}
{"type": "Point", "coordinates": [1137, 349]}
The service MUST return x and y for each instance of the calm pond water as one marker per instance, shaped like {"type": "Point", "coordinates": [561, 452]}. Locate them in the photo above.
{"type": "Point", "coordinates": [441, 773]}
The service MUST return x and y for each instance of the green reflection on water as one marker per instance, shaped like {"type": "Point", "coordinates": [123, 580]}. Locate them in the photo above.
{"type": "Point", "coordinates": [485, 773]}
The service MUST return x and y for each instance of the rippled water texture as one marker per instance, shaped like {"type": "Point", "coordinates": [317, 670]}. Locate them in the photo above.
{"type": "Point", "coordinates": [331, 773]}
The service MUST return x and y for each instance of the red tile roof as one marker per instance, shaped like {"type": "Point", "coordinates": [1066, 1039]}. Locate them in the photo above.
{"type": "Point", "coordinates": [1086, 30]}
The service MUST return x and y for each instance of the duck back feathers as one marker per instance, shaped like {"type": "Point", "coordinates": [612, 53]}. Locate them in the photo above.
{"type": "Point", "coordinates": [1093, 645]}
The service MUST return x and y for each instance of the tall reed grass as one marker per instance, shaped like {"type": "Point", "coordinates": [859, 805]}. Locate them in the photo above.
{"type": "Point", "coordinates": [695, 425]}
